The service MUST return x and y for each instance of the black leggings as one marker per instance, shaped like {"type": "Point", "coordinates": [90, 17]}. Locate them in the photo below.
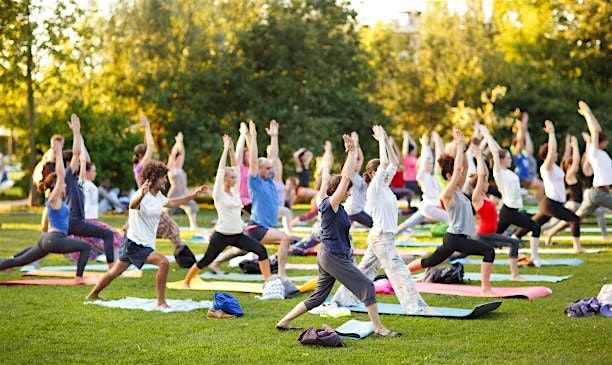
{"type": "Point", "coordinates": [219, 241]}
{"type": "Point", "coordinates": [84, 229]}
{"type": "Point", "coordinates": [461, 243]}
{"type": "Point", "coordinates": [549, 208]}
{"type": "Point", "coordinates": [51, 242]}
{"type": "Point", "coordinates": [362, 218]}
{"type": "Point", "coordinates": [499, 240]}
{"type": "Point", "coordinates": [509, 216]}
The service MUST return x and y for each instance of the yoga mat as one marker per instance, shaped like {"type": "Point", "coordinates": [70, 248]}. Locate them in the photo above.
{"type": "Point", "coordinates": [53, 282]}
{"type": "Point", "coordinates": [444, 312]}
{"type": "Point", "coordinates": [559, 251]}
{"type": "Point", "coordinates": [308, 229]}
{"type": "Point", "coordinates": [151, 304]}
{"type": "Point", "coordinates": [235, 276]}
{"type": "Point", "coordinates": [92, 267]}
{"type": "Point", "coordinates": [355, 329]}
{"type": "Point", "coordinates": [197, 239]}
{"type": "Point", "coordinates": [199, 284]}
{"type": "Point", "coordinates": [289, 266]}
{"type": "Point", "coordinates": [70, 274]}
{"type": "Point", "coordinates": [417, 244]}
{"type": "Point", "coordinates": [545, 262]}
{"type": "Point", "coordinates": [361, 252]}
{"type": "Point", "coordinates": [506, 277]}
{"type": "Point", "coordinates": [529, 292]}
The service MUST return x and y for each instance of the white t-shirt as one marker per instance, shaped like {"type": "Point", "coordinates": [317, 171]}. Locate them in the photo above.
{"type": "Point", "coordinates": [381, 203]}
{"type": "Point", "coordinates": [510, 188]}
{"type": "Point", "coordinates": [602, 166]}
{"type": "Point", "coordinates": [429, 183]}
{"type": "Point", "coordinates": [228, 206]}
{"type": "Point", "coordinates": [554, 183]}
{"type": "Point", "coordinates": [90, 192]}
{"type": "Point", "coordinates": [143, 222]}
{"type": "Point", "coordinates": [356, 202]}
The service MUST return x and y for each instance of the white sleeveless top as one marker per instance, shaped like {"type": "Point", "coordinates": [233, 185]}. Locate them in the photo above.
{"type": "Point", "coordinates": [554, 183]}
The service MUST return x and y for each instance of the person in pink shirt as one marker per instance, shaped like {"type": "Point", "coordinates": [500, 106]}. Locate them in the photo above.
{"type": "Point", "coordinates": [409, 160]}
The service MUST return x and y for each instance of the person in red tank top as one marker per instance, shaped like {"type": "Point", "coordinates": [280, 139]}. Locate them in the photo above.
{"type": "Point", "coordinates": [487, 212]}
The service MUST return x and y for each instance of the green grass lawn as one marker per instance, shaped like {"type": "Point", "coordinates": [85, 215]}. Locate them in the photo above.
{"type": "Point", "coordinates": [52, 325]}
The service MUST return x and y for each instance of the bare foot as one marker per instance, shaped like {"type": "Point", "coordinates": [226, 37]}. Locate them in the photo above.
{"type": "Point", "coordinates": [79, 280]}
{"type": "Point", "coordinates": [186, 285]}
{"type": "Point", "coordinates": [215, 267]}
{"type": "Point", "coordinates": [487, 292]}
{"type": "Point", "coordinates": [548, 239]}
{"type": "Point", "coordinates": [579, 250]}
{"type": "Point", "coordinates": [518, 278]}
{"type": "Point", "coordinates": [163, 305]}
{"type": "Point", "coordinates": [91, 296]}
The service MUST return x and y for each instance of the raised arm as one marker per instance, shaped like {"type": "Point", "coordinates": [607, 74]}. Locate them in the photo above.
{"type": "Point", "coordinates": [273, 133]}
{"type": "Point", "coordinates": [359, 162]}
{"type": "Point", "coordinates": [218, 185]}
{"type": "Point", "coordinates": [55, 198]}
{"type": "Point", "coordinates": [405, 142]}
{"type": "Point", "coordinates": [592, 123]}
{"type": "Point", "coordinates": [520, 138]}
{"type": "Point", "coordinates": [567, 148]}
{"type": "Point", "coordinates": [571, 176]}
{"type": "Point", "coordinates": [177, 202]}
{"type": "Point", "coordinates": [75, 126]}
{"type": "Point", "coordinates": [177, 154]}
{"type": "Point", "coordinates": [82, 162]}
{"type": "Point", "coordinates": [324, 172]}
{"type": "Point", "coordinates": [148, 140]}
{"type": "Point", "coordinates": [528, 140]}
{"type": "Point", "coordinates": [482, 174]}
{"type": "Point", "coordinates": [253, 163]}
{"type": "Point", "coordinates": [244, 132]}
{"type": "Point", "coordinates": [549, 128]}
{"type": "Point", "coordinates": [438, 149]}
{"type": "Point", "coordinates": [348, 170]}
{"type": "Point", "coordinates": [459, 169]}
{"type": "Point", "coordinates": [381, 137]}
{"type": "Point", "coordinates": [425, 155]}
{"type": "Point", "coordinates": [392, 152]}
{"type": "Point", "coordinates": [587, 169]}
{"type": "Point", "coordinates": [493, 146]}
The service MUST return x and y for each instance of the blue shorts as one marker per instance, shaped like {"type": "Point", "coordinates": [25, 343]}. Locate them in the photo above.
{"type": "Point", "coordinates": [134, 253]}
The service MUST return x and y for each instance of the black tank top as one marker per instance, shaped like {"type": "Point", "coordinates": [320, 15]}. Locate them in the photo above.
{"type": "Point", "coordinates": [574, 192]}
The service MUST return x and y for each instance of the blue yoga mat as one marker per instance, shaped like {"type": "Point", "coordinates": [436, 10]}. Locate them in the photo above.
{"type": "Point", "coordinates": [389, 308]}
{"type": "Point", "coordinates": [418, 244]}
{"type": "Point", "coordinates": [234, 276]}
{"type": "Point", "coordinates": [92, 267]}
{"type": "Point", "coordinates": [355, 329]}
{"type": "Point", "coordinates": [506, 277]}
{"type": "Point", "coordinates": [545, 262]}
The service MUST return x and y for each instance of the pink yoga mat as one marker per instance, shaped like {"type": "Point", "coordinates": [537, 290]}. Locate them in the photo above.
{"type": "Point", "coordinates": [361, 252]}
{"type": "Point", "coordinates": [56, 282]}
{"type": "Point", "coordinates": [383, 286]}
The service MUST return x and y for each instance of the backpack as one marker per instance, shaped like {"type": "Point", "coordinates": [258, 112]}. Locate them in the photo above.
{"type": "Point", "coordinates": [227, 303]}
{"type": "Point", "coordinates": [449, 275]}
{"type": "Point", "coordinates": [184, 257]}
{"type": "Point", "coordinates": [583, 307]}
{"type": "Point", "coordinates": [252, 266]}
{"type": "Point", "coordinates": [314, 336]}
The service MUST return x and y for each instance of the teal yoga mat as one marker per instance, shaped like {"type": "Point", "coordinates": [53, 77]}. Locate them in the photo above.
{"type": "Point", "coordinates": [355, 330]}
{"type": "Point", "coordinates": [92, 267]}
{"type": "Point", "coordinates": [506, 277]}
{"type": "Point", "coordinates": [444, 312]}
{"type": "Point", "coordinates": [545, 262]}
{"type": "Point", "coordinates": [234, 276]}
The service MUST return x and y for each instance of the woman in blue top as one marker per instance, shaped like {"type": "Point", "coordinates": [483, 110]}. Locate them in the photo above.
{"type": "Point", "coordinates": [335, 259]}
{"type": "Point", "coordinates": [54, 240]}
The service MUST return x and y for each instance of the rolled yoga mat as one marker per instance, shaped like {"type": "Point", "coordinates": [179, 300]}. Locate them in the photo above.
{"type": "Point", "coordinates": [444, 312]}
{"type": "Point", "coordinates": [148, 305]}
{"type": "Point", "coordinates": [198, 284]}
{"type": "Point", "coordinates": [234, 276]}
{"type": "Point", "coordinates": [545, 262]}
{"type": "Point", "coordinates": [70, 274]}
{"type": "Point", "coordinates": [52, 282]}
{"type": "Point", "coordinates": [355, 329]}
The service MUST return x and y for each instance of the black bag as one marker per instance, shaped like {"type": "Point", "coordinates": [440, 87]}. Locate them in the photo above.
{"type": "Point", "coordinates": [252, 266]}
{"type": "Point", "coordinates": [184, 257]}
{"type": "Point", "coordinates": [314, 336]}
{"type": "Point", "coordinates": [449, 275]}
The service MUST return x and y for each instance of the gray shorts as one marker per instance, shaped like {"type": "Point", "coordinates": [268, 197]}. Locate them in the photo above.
{"type": "Point", "coordinates": [134, 253]}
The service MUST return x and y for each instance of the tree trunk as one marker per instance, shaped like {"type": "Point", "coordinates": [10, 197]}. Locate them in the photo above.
{"type": "Point", "coordinates": [31, 116]}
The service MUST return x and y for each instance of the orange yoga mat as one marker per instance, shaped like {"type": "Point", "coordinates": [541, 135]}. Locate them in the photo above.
{"type": "Point", "coordinates": [55, 282]}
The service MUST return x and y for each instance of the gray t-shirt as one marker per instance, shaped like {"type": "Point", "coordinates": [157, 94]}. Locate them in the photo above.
{"type": "Point", "coordinates": [356, 202]}
{"type": "Point", "coordinates": [460, 216]}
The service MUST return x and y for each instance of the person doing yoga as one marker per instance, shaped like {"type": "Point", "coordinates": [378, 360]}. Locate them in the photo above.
{"type": "Point", "coordinates": [461, 219]}
{"type": "Point", "coordinates": [381, 251]}
{"type": "Point", "coordinates": [429, 207]}
{"type": "Point", "coordinates": [335, 259]}
{"type": "Point", "coordinates": [146, 208]}
{"type": "Point", "coordinates": [355, 204]}
{"type": "Point", "coordinates": [55, 240]}
{"type": "Point", "coordinates": [509, 185]}
{"type": "Point", "coordinates": [178, 180]}
{"type": "Point", "coordinates": [229, 230]}
{"type": "Point", "coordinates": [487, 212]}
{"type": "Point", "coordinates": [554, 189]}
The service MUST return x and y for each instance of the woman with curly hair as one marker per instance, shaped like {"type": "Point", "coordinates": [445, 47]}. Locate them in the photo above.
{"type": "Point", "coordinates": [146, 208]}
